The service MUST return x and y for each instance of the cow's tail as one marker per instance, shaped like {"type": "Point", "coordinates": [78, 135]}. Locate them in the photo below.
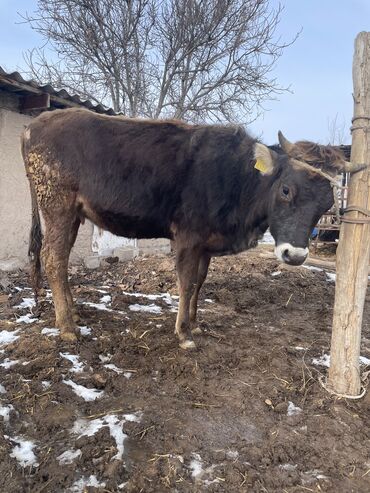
{"type": "Point", "coordinates": [35, 239]}
{"type": "Point", "coordinates": [35, 243]}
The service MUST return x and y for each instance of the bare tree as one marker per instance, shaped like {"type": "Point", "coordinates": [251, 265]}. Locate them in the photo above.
{"type": "Point", "coordinates": [338, 130]}
{"type": "Point", "coordinates": [192, 59]}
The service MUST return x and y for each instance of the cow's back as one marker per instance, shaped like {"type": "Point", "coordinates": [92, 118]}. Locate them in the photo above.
{"type": "Point", "coordinates": [122, 168]}
{"type": "Point", "coordinates": [136, 177]}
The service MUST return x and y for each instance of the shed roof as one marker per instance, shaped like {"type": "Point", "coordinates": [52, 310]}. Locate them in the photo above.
{"type": "Point", "coordinates": [14, 83]}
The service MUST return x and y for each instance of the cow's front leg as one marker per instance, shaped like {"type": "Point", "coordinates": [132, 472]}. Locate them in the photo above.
{"type": "Point", "coordinates": [187, 262]}
{"type": "Point", "coordinates": [201, 276]}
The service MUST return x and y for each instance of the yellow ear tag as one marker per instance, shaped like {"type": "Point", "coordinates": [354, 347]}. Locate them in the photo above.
{"type": "Point", "coordinates": [261, 166]}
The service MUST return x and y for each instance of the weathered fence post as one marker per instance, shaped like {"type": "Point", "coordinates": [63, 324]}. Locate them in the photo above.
{"type": "Point", "coordinates": [354, 245]}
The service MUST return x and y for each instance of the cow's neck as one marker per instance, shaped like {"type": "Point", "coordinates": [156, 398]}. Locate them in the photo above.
{"type": "Point", "coordinates": [253, 209]}
{"type": "Point", "coordinates": [256, 209]}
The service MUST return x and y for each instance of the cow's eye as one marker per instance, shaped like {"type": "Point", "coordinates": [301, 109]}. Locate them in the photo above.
{"type": "Point", "coordinates": [285, 192]}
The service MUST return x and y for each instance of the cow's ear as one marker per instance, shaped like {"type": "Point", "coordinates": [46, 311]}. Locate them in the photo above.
{"type": "Point", "coordinates": [264, 159]}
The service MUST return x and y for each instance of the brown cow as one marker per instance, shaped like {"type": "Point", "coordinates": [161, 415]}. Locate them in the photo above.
{"type": "Point", "coordinates": [212, 189]}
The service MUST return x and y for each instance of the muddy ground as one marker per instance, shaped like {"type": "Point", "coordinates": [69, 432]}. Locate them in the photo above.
{"type": "Point", "coordinates": [126, 410]}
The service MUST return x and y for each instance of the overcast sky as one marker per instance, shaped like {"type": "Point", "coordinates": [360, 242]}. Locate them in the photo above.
{"type": "Point", "coordinates": [318, 67]}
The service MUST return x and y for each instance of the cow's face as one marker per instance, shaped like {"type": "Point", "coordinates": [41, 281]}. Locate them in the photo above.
{"type": "Point", "coordinates": [298, 198]}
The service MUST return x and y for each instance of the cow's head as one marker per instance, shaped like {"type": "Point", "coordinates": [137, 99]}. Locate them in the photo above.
{"type": "Point", "coordinates": [299, 196]}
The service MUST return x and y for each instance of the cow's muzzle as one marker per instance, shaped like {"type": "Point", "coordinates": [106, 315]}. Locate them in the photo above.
{"type": "Point", "coordinates": [291, 255]}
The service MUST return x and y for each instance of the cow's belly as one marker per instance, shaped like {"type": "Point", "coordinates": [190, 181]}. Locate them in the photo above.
{"type": "Point", "coordinates": [132, 227]}
{"type": "Point", "coordinates": [121, 224]}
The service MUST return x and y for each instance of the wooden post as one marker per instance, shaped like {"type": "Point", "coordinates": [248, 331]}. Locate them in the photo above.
{"type": "Point", "coordinates": [354, 244]}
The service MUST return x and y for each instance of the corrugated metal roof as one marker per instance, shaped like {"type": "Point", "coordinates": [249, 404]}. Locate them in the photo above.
{"type": "Point", "coordinates": [14, 82]}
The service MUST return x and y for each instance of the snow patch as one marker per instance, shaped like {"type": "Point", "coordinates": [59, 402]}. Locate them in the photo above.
{"type": "Point", "coordinates": [232, 454]}
{"type": "Point", "coordinates": [102, 306]}
{"type": "Point", "coordinates": [45, 384]}
{"type": "Point", "coordinates": [52, 332]}
{"type": "Point", "coordinates": [199, 473]}
{"type": "Point", "coordinates": [69, 456]}
{"type": "Point", "coordinates": [276, 273]}
{"type": "Point", "coordinates": [133, 418]}
{"type": "Point", "coordinates": [330, 276]}
{"type": "Point", "coordinates": [26, 303]}
{"type": "Point", "coordinates": [207, 482]}
{"type": "Point", "coordinates": [80, 485]}
{"type": "Point", "coordinates": [87, 427]}
{"type": "Point", "coordinates": [314, 269]}
{"type": "Point", "coordinates": [85, 331]}
{"type": "Point", "coordinates": [84, 427]}
{"type": "Point", "coordinates": [115, 429]}
{"type": "Point", "coordinates": [113, 367]}
{"type": "Point", "coordinates": [152, 308]}
{"type": "Point", "coordinates": [2, 389]}
{"type": "Point", "coordinates": [309, 477]}
{"type": "Point", "coordinates": [77, 366]}
{"type": "Point", "coordinates": [106, 299]}
{"type": "Point", "coordinates": [23, 451]}
{"type": "Point", "coordinates": [97, 306]}
{"type": "Point", "coordinates": [86, 394]}
{"type": "Point", "coordinates": [6, 336]}
{"type": "Point", "coordinates": [166, 297]}
{"type": "Point", "coordinates": [288, 467]}
{"type": "Point", "coordinates": [105, 359]}
{"type": "Point", "coordinates": [127, 374]}
{"type": "Point", "coordinates": [293, 409]}
{"type": "Point", "coordinates": [5, 411]}
{"type": "Point", "coordinates": [196, 465]}
{"type": "Point", "coordinates": [8, 363]}
{"type": "Point", "coordinates": [324, 360]}
{"type": "Point", "coordinates": [364, 361]}
{"type": "Point", "coordinates": [26, 319]}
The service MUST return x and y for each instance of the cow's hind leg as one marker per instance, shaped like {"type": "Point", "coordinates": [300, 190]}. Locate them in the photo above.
{"type": "Point", "coordinates": [187, 261]}
{"type": "Point", "coordinates": [201, 277]}
{"type": "Point", "coordinates": [55, 254]}
{"type": "Point", "coordinates": [72, 238]}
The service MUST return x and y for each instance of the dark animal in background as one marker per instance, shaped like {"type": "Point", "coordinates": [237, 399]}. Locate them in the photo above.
{"type": "Point", "coordinates": [213, 190]}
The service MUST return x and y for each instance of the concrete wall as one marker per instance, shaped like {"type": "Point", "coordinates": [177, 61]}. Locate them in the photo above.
{"type": "Point", "coordinates": [148, 247]}
{"type": "Point", "coordinates": [15, 202]}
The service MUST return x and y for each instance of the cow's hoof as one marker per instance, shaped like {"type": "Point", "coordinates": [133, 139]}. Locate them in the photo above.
{"type": "Point", "coordinates": [68, 336]}
{"type": "Point", "coordinates": [196, 331]}
{"type": "Point", "coordinates": [187, 345]}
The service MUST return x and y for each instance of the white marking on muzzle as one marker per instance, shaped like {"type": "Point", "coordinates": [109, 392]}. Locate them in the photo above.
{"type": "Point", "coordinates": [293, 252]}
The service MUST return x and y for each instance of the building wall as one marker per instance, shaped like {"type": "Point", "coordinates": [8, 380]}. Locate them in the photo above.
{"type": "Point", "coordinates": [15, 202]}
